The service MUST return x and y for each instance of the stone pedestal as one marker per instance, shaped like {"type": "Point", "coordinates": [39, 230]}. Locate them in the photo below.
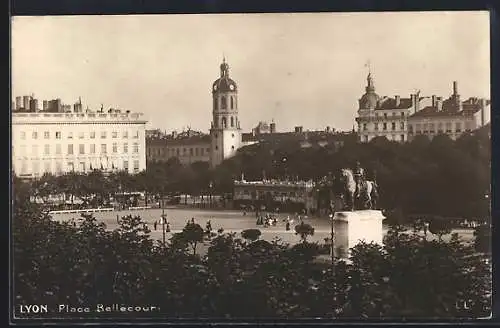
{"type": "Point", "coordinates": [351, 228]}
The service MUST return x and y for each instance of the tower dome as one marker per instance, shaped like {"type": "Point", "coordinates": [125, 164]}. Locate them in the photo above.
{"type": "Point", "coordinates": [370, 98]}
{"type": "Point", "coordinates": [224, 83]}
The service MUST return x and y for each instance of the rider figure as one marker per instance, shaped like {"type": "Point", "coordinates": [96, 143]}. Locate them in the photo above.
{"type": "Point", "coordinates": [359, 175]}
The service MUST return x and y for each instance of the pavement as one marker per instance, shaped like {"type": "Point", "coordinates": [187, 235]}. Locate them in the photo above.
{"type": "Point", "coordinates": [230, 221]}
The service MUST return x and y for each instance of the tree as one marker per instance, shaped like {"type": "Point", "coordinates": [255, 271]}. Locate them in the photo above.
{"type": "Point", "coordinates": [304, 230]}
{"type": "Point", "coordinates": [193, 234]}
{"type": "Point", "coordinates": [251, 234]}
{"type": "Point", "coordinates": [439, 226]}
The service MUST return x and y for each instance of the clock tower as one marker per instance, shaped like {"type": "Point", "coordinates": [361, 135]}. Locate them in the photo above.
{"type": "Point", "coordinates": [225, 132]}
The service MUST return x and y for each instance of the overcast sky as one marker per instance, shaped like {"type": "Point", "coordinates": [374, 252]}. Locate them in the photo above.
{"type": "Point", "coordinates": [298, 69]}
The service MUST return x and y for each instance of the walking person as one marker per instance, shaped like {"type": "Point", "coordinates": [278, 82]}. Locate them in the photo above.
{"type": "Point", "coordinates": [155, 224]}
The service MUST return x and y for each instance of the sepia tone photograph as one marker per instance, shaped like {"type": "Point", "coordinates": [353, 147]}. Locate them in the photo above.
{"type": "Point", "coordinates": [246, 167]}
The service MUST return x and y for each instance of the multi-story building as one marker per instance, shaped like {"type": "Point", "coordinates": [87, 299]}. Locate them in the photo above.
{"type": "Point", "coordinates": [452, 116]}
{"type": "Point", "coordinates": [384, 116]}
{"type": "Point", "coordinates": [188, 147]}
{"type": "Point", "coordinates": [290, 195]}
{"type": "Point", "coordinates": [62, 142]}
{"type": "Point", "coordinates": [400, 119]}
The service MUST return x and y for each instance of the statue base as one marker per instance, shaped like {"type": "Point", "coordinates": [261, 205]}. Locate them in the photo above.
{"type": "Point", "coordinates": [351, 228]}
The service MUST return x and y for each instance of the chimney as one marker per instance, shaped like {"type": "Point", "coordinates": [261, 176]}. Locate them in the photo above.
{"type": "Point", "coordinates": [26, 102]}
{"type": "Point", "coordinates": [298, 129]}
{"type": "Point", "coordinates": [18, 103]}
{"type": "Point", "coordinates": [45, 105]}
{"type": "Point", "coordinates": [482, 107]}
{"type": "Point", "coordinates": [439, 104]}
{"type": "Point", "coordinates": [415, 103]}
{"type": "Point", "coordinates": [455, 87]}
{"type": "Point", "coordinates": [398, 100]}
{"type": "Point", "coordinates": [434, 99]}
{"type": "Point", "coordinates": [273, 127]}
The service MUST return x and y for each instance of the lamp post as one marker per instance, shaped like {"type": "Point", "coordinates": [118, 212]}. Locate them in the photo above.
{"type": "Point", "coordinates": [331, 238]}
{"type": "Point", "coordinates": [163, 218]}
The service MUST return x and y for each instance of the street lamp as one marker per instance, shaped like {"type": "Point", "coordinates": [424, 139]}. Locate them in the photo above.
{"type": "Point", "coordinates": [163, 219]}
{"type": "Point", "coordinates": [331, 238]}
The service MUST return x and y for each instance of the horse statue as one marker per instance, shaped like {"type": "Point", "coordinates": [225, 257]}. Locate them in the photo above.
{"type": "Point", "coordinates": [365, 198]}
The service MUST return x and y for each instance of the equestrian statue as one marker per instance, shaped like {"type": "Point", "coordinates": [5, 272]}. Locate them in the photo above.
{"type": "Point", "coordinates": [358, 192]}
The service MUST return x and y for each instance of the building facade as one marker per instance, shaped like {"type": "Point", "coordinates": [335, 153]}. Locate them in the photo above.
{"type": "Point", "coordinates": [225, 131]}
{"type": "Point", "coordinates": [188, 147]}
{"type": "Point", "coordinates": [63, 142]}
{"type": "Point", "coordinates": [451, 116]}
{"type": "Point", "coordinates": [401, 119]}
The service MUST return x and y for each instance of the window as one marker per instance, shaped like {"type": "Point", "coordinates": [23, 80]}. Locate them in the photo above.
{"type": "Point", "coordinates": [440, 127]}
{"type": "Point", "coordinates": [458, 127]}
{"type": "Point", "coordinates": [92, 135]}
{"type": "Point", "coordinates": [71, 167]}
{"type": "Point", "coordinates": [82, 166]}
{"type": "Point", "coordinates": [58, 135]}
{"type": "Point", "coordinates": [70, 149]}
{"type": "Point", "coordinates": [58, 149]}
{"type": "Point", "coordinates": [46, 150]}
{"type": "Point", "coordinates": [393, 126]}
{"type": "Point", "coordinates": [46, 135]}
{"type": "Point", "coordinates": [103, 149]}
{"type": "Point", "coordinates": [136, 135]}
{"type": "Point", "coordinates": [36, 168]}
{"type": "Point", "coordinates": [58, 167]}
{"type": "Point", "coordinates": [224, 122]}
{"type": "Point", "coordinates": [216, 136]}
{"type": "Point", "coordinates": [114, 135]}
{"type": "Point", "coordinates": [402, 114]}
{"type": "Point", "coordinates": [448, 127]}
{"type": "Point", "coordinates": [223, 102]}
{"type": "Point", "coordinates": [81, 149]}
{"type": "Point", "coordinates": [125, 134]}
{"type": "Point", "coordinates": [215, 103]}
{"type": "Point", "coordinates": [385, 115]}
{"type": "Point", "coordinates": [23, 135]}
{"type": "Point", "coordinates": [402, 137]}
{"type": "Point", "coordinates": [136, 166]}
{"type": "Point", "coordinates": [232, 102]}
{"type": "Point", "coordinates": [125, 148]}
{"type": "Point", "coordinates": [135, 150]}
{"type": "Point", "coordinates": [410, 128]}
{"type": "Point", "coordinates": [425, 128]}
{"type": "Point", "coordinates": [393, 114]}
{"type": "Point", "coordinates": [232, 121]}
{"type": "Point", "coordinates": [431, 127]}
{"type": "Point", "coordinates": [34, 135]}
{"type": "Point", "coordinates": [376, 126]}
{"type": "Point", "coordinates": [364, 127]}
{"type": "Point", "coordinates": [81, 135]}
{"type": "Point", "coordinates": [184, 151]}
{"type": "Point", "coordinates": [92, 148]}
{"type": "Point", "coordinates": [385, 126]}
{"type": "Point", "coordinates": [103, 134]}
{"type": "Point", "coordinates": [125, 165]}
{"type": "Point", "coordinates": [402, 125]}
{"type": "Point", "coordinates": [115, 148]}
{"type": "Point", "coordinates": [191, 151]}
{"type": "Point", "coordinates": [70, 135]}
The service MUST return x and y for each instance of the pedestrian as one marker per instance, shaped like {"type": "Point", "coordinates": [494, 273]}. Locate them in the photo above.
{"type": "Point", "coordinates": [155, 224]}
{"type": "Point", "coordinates": [287, 226]}
{"type": "Point", "coordinates": [192, 220]}
{"type": "Point", "coordinates": [167, 229]}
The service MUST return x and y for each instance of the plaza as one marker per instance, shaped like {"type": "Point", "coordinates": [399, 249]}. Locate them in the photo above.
{"type": "Point", "coordinates": [231, 222]}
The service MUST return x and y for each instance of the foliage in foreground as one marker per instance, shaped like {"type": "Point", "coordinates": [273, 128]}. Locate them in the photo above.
{"type": "Point", "coordinates": [84, 265]}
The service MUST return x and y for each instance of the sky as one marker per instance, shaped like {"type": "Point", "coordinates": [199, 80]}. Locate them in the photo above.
{"type": "Point", "coordinates": [303, 69]}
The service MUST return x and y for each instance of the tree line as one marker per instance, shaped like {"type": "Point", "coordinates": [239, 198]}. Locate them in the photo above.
{"type": "Point", "coordinates": [439, 177]}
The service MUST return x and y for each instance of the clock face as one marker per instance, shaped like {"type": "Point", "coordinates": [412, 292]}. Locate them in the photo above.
{"type": "Point", "coordinates": [231, 87]}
